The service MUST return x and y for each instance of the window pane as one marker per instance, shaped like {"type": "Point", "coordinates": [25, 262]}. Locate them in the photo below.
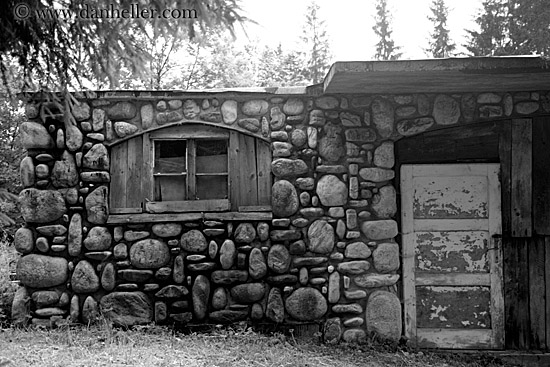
{"type": "Point", "coordinates": [168, 188]}
{"type": "Point", "coordinates": [211, 156]}
{"type": "Point", "coordinates": [170, 156]}
{"type": "Point", "coordinates": [211, 187]}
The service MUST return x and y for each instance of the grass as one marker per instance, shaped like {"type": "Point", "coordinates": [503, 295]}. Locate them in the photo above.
{"type": "Point", "coordinates": [219, 347]}
{"type": "Point", "coordinates": [8, 260]}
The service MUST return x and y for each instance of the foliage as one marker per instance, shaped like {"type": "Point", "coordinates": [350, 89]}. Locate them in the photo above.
{"type": "Point", "coordinates": [8, 259]}
{"type": "Point", "coordinates": [440, 43]}
{"type": "Point", "coordinates": [385, 48]}
{"type": "Point", "coordinates": [63, 51]}
{"type": "Point", "coordinates": [316, 45]}
{"type": "Point", "coordinates": [511, 27]}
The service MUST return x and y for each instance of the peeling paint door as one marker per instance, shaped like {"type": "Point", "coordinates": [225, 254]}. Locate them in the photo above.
{"type": "Point", "coordinates": [452, 262]}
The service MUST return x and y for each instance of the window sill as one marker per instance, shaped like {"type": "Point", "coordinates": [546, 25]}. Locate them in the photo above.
{"type": "Point", "coordinates": [187, 206]}
{"type": "Point", "coordinates": [184, 217]}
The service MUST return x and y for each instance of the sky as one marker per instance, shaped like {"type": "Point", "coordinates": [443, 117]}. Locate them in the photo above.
{"type": "Point", "coordinates": [349, 24]}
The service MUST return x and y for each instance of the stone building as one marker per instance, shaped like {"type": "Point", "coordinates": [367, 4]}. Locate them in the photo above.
{"type": "Point", "coordinates": [397, 198]}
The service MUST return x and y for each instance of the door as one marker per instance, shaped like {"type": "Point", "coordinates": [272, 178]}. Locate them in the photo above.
{"type": "Point", "coordinates": [452, 262]}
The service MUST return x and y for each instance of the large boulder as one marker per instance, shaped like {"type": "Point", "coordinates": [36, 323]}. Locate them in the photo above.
{"type": "Point", "coordinates": [193, 241]}
{"type": "Point", "coordinates": [39, 271]}
{"type": "Point", "coordinates": [284, 199]}
{"type": "Point", "coordinates": [41, 206]}
{"type": "Point", "coordinates": [306, 304]}
{"type": "Point", "coordinates": [97, 206]}
{"type": "Point", "coordinates": [84, 279]}
{"type": "Point", "coordinates": [127, 308]}
{"type": "Point", "coordinates": [149, 254]}
{"type": "Point", "coordinates": [321, 237]}
{"type": "Point", "coordinates": [383, 315]}
{"type": "Point", "coordinates": [35, 136]}
{"type": "Point", "coordinates": [64, 172]}
{"type": "Point", "coordinates": [332, 191]}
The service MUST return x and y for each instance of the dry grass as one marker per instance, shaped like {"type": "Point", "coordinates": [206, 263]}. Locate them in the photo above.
{"type": "Point", "coordinates": [221, 347]}
{"type": "Point", "coordinates": [8, 259]}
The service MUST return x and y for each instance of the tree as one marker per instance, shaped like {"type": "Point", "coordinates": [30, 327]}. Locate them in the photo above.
{"type": "Point", "coordinates": [316, 44]}
{"type": "Point", "coordinates": [511, 27]}
{"type": "Point", "coordinates": [385, 48]}
{"type": "Point", "coordinates": [440, 43]}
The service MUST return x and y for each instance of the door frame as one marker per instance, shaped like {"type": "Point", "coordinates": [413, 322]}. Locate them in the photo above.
{"type": "Point", "coordinates": [453, 338]}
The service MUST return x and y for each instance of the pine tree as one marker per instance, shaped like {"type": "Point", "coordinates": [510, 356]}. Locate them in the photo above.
{"type": "Point", "coordinates": [492, 39]}
{"type": "Point", "coordinates": [440, 43]}
{"type": "Point", "coordinates": [385, 48]}
{"type": "Point", "coordinates": [317, 45]}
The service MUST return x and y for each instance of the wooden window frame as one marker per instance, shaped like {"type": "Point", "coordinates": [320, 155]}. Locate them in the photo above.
{"type": "Point", "coordinates": [191, 135]}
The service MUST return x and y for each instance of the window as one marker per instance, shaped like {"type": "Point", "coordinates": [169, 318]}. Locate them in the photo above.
{"type": "Point", "coordinates": [190, 168]}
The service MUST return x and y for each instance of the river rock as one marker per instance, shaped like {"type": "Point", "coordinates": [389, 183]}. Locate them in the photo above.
{"type": "Point", "coordinates": [333, 330]}
{"type": "Point", "coordinates": [39, 271]}
{"type": "Point", "coordinates": [384, 156]}
{"type": "Point", "coordinates": [250, 124]}
{"type": "Point", "coordinates": [355, 336]}
{"type": "Point", "coordinates": [256, 264]}
{"type": "Point", "coordinates": [75, 235]}
{"type": "Point", "coordinates": [275, 309]}
{"type": "Point", "coordinates": [45, 298]}
{"type": "Point", "coordinates": [96, 158]}
{"type": "Point", "coordinates": [306, 304]}
{"type": "Point", "coordinates": [35, 136]}
{"type": "Point", "coordinates": [354, 267]}
{"type": "Point", "coordinates": [248, 293]}
{"type": "Point", "coordinates": [376, 174]}
{"type": "Point", "coordinates": [376, 280]}
{"type": "Point", "coordinates": [24, 240]}
{"type": "Point", "coordinates": [321, 237]}
{"type": "Point", "coordinates": [332, 191]}
{"type": "Point", "coordinates": [172, 291]}
{"type": "Point", "coordinates": [331, 144]}
{"type": "Point", "coordinates": [149, 254]}
{"type": "Point", "coordinates": [287, 168]}
{"type": "Point", "coordinates": [384, 203]}
{"type": "Point", "coordinates": [383, 315]}
{"type": "Point", "coordinates": [127, 308]}
{"type": "Point", "coordinates": [137, 275]}
{"type": "Point", "coordinates": [123, 129]}
{"type": "Point", "coordinates": [167, 229]}
{"type": "Point", "coordinates": [97, 205]}
{"type": "Point", "coordinates": [284, 199]}
{"type": "Point", "coordinates": [278, 259]}
{"type": "Point", "coordinates": [98, 239]}
{"type": "Point", "coordinates": [201, 295]}
{"type": "Point", "coordinates": [122, 111]}
{"type": "Point", "coordinates": [357, 250]}
{"type": "Point", "coordinates": [298, 138]}
{"type": "Point", "coordinates": [90, 311]}
{"type": "Point", "coordinates": [255, 107]}
{"type": "Point", "coordinates": [263, 231]}
{"type": "Point", "coordinates": [293, 106]}
{"type": "Point", "coordinates": [219, 298]}
{"type": "Point", "coordinates": [84, 278]}
{"type": "Point", "coordinates": [446, 110]}
{"type": "Point", "coordinates": [73, 138]}
{"type": "Point", "coordinates": [386, 257]}
{"type": "Point", "coordinates": [414, 126]}
{"type": "Point", "coordinates": [229, 111]}
{"type": "Point", "coordinates": [227, 277]}
{"type": "Point", "coordinates": [334, 287]}
{"type": "Point", "coordinates": [193, 241]}
{"type": "Point", "coordinates": [26, 172]}
{"type": "Point", "coordinates": [383, 117]}
{"type": "Point", "coordinates": [41, 206]}
{"type": "Point", "coordinates": [527, 107]}
{"type": "Point", "coordinates": [21, 308]}
{"type": "Point", "coordinates": [379, 229]}
{"type": "Point", "coordinates": [245, 233]}
{"type": "Point", "coordinates": [108, 277]}
{"type": "Point", "coordinates": [228, 254]}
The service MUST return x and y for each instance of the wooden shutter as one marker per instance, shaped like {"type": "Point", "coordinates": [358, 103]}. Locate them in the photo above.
{"type": "Point", "coordinates": [250, 173]}
{"type": "Point", "coordinates": [126, 177]}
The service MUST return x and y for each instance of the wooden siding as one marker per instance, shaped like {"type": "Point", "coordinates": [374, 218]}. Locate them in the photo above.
{"type": "Point", "coordinates": [526, 259]}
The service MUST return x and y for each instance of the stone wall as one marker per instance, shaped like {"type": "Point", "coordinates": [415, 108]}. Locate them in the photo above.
{"type": "Point", "coordinates": [327, 255]}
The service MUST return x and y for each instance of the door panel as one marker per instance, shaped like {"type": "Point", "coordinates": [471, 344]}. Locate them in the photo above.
{"type": "Point", "coordinates": [452, 267]}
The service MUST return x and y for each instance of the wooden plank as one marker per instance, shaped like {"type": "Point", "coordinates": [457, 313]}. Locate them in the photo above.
{"type": "Point", "coordinates": [191, 170]}
{"type": "Point", "coordinates": [191, 131]}
{"type": "Point", "coordinates": [453, 279]}
{"type": "Point", "coordinates": [124, 210]}
{"type": "Point", "coordinates": [408, 266]}
{"type": "Point", "coordinates": [234, 170]}
{"type": "Point", "coordinates": [505, 154]}
{"type": "Point", "coordinates": [497, 297]}
{"type": "Point", "coordinates": [117, 198]}
{"type": "Point", "coordinates": [521, 200]}
{"type": "Point", "coordinates": [523, 293]}
{"type": "Point", "coordinates": [537, 299]}
{"type": "Point", "coordinates": [248, 185]}
{"type": "Point", "coordinates": [263, 164]}
{"type": "Point", "coordinates": [153, 218]}
{"type": "Point", "coordinates": [455, 338]}
{"type": "Point", "coordinates": [541, 175]}
{"type": "Point", "coordinates": [255, 208]}
{"type": "Point", "coordinates": [147, 169]}
{"type": "Point", "coordinates": [187, 206]}
{"type": "Point", "coordinates": [451, 224]}
{"type": "Point", "coordinates": [239, 216]}
{"type": "Point", "coordinates": [494, 198]}
{"type": "Point", "coordinates": [449, 170]}
{"type": "Point", "coordinates": [134, 177]}
{"type": "Point", "coordinates": [511, 285]}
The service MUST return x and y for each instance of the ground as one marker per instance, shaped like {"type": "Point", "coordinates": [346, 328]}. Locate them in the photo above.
{"type": "Point", "coordinates": [221, 347]}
